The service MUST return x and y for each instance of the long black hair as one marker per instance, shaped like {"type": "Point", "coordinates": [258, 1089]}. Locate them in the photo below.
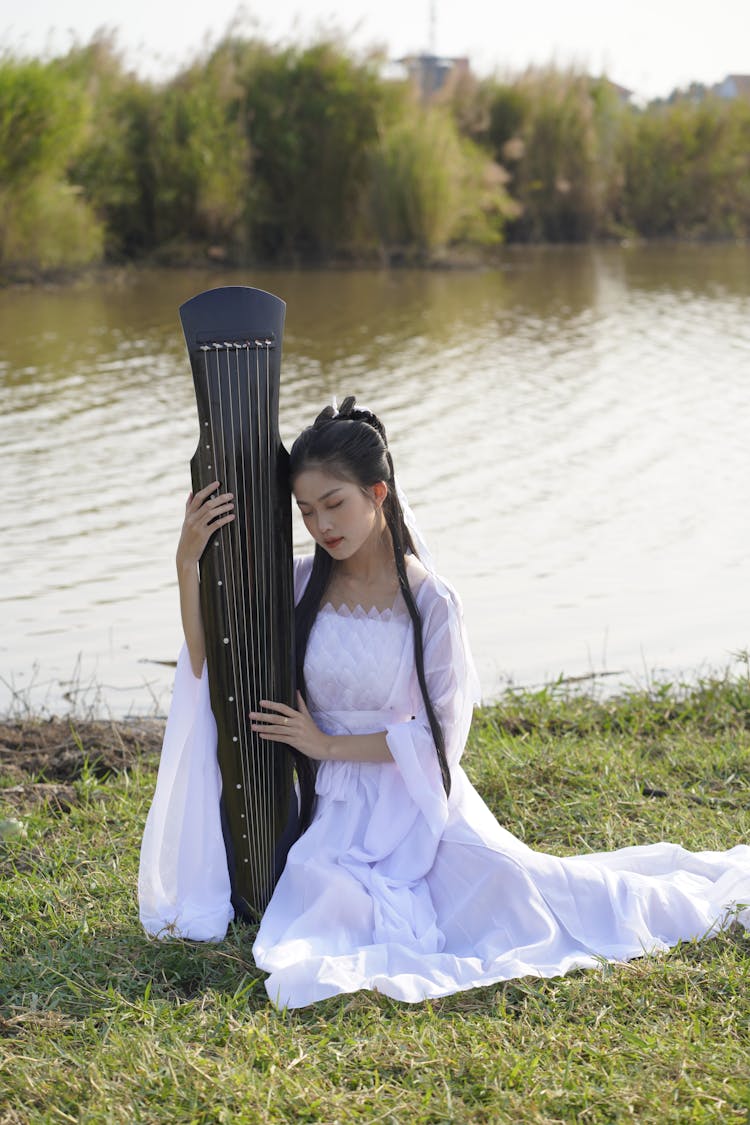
{"type": "Point", "coordinates": [351, 444]}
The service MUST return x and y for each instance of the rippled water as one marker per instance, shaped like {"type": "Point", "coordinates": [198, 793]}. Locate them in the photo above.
{"type": "Point", "coordinates": [571, 428]}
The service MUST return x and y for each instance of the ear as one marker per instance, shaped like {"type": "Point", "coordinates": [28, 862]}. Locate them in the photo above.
{"type": "Point", "coordinates": [379, 491]}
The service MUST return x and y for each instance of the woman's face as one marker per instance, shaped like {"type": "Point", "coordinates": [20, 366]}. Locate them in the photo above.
{"type": "Point", "coordinates": [340, 515]}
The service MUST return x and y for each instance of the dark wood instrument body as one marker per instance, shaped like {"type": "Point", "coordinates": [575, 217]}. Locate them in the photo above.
{"type": "Point", "coordinates": [234, 337]}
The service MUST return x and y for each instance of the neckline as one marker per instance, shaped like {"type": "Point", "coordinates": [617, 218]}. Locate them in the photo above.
{"type": "Point", "coordinates": [359, 612]}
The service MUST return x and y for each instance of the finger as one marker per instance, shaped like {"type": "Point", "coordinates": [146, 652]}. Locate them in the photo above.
{"type": "Point", "coordinates": [219, 523]}
{"type": "Point", "coordinates": [301, 704]}
{"type": "Point", "coordinates": [204, 493]}
{"type": "Point", "coordinates": [279, 730]}
{"type": "Point", "coordinates": [210, 512]}
{"type": "Point", "coordinates": [282, 733]}
{"type": "Point", "coordinates": [206, 519]}
{"type": "Point", "coordinates": [280, 708]}
{"type": "Point", "coordinates": [214, 507]}
{"type": "Point", "coordinates": [273, 716]}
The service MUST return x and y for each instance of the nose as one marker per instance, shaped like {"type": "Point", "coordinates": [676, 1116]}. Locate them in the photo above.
{"type": "Point", "coordinates": [325, 522]}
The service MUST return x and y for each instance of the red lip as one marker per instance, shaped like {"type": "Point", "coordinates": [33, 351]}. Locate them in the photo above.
{"type": "Point", "coordinates": [333, 542]}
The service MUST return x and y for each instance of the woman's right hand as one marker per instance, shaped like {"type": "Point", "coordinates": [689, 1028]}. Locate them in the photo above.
{"type": "Point", "coordinates": [204, 513]}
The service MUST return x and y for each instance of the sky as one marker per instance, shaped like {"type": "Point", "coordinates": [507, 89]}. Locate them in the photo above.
{"type": "Point", "coordinates": [649, 46]}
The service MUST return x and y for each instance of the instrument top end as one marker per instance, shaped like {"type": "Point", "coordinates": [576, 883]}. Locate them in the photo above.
{"type": "Point", "coordinates": [232, 313]}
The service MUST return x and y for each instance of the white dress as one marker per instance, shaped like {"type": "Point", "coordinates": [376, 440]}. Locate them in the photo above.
{"type": "Point", "coordinates": [395, 887]}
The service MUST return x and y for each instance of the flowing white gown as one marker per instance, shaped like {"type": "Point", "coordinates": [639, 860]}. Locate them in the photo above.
{"type": "Point", "coordinates": [395, 887]}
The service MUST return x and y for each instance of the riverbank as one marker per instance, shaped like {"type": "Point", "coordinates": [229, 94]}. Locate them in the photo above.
{"type": "Point", "coordinates": [127, 273]}
{"type": "Point", "coordinates": [467, 258]}
{"type": "Point", "coordinates": [103, 1025]}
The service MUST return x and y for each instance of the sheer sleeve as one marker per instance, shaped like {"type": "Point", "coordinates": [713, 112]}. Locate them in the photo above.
{"type": "Point", "coordinates": [183, 882]}
{"type": "Point", "coordinates": [453, 688]}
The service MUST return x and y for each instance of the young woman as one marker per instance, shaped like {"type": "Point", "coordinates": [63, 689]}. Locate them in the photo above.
{"type": "Point", "coordinates": [402, 880]}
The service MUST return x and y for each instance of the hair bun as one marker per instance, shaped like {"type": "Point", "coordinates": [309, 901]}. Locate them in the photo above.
{"type": "Point", "coordinates": [349, 411]}
{"type": "Point", "coordinates": [327, 414]}
{"type": "Point", "coordinates": [347, 407]}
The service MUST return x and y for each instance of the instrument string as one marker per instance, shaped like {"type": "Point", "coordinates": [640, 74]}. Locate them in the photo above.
{"type": "Point", "coordinates": [275, 753]}
{"type": "Point", "coordinates": [260, 494]}
{"type": "Point", "coordinates": [239, 394]}
{"type": "Point", "coordinates": [244, 637]}
{"type": "Point", "coordinates": [260, 593]}
{"type": "Point", "coordinates": [264, 507]}
{"type": "Point", "coordinates": [272, 751]}
{"type": "Point", "coordinates": [228, 461]}
{"type": "Point", "coordinates": [272, 595]}
{"type": "Point", "coordinates": [219, 462]}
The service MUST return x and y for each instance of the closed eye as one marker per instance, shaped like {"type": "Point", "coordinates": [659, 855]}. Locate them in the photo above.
{"type": "Point", "coordinates": [329, 508]}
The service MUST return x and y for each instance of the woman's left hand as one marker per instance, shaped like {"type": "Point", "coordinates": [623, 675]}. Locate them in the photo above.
{"type": "Point", "coordinates": [279, 723]}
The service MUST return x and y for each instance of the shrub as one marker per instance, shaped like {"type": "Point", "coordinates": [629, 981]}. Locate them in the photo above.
{"type": "Point", "coordinates": [686, 169]}
{"type": "Point", "coordinates": [44, 222]}
{"type": "Point", "coordinates": [429, 187]}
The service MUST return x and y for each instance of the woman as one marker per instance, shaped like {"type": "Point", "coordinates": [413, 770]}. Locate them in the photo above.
{"type": "Point", "coordinates": [403, 881]}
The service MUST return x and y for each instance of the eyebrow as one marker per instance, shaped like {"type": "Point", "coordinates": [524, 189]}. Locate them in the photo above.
{"type": "Point", "coordinates": [321, 498]}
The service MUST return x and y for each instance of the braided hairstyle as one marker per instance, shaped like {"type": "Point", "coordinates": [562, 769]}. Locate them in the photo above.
{"type": "Point", "coordinates": [351, 444]}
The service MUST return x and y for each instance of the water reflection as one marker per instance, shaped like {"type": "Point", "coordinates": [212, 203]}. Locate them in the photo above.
{"type": "Point", "coordinates": [571, 428]}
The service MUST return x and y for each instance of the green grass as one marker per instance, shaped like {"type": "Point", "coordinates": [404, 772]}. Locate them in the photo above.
{"type": "Point", "coordinates": [99, 1024]}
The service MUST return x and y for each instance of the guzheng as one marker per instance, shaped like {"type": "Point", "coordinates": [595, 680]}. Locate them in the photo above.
{"type": "Point", "coordinates": [234, 337]}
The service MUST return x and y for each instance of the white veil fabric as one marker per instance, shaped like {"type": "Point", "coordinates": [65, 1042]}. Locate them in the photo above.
{"type": "Point", "coordinates": [423, 551]}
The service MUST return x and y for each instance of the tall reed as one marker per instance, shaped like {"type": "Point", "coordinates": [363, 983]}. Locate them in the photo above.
{"type": "Point", "coordinates": [44, 222]}
{"type": "Point", "coordinates": [686, 169]}
{"type": "Point", "coordinates": [309, 116]}
{"type": "Point", "coordinates": [555, 132]}
{"type": "Point", "coordinates": [430, 187]}
{"type": "Point", "coordinates": [257, 152]}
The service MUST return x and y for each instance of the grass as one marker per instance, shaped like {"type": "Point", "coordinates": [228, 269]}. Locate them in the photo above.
{"type": "Point", "coordinates": [99, 1024]}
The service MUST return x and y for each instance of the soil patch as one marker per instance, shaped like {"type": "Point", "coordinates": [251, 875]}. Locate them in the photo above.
{"type": "Point", "coordinates": [60, 796]}
{"type": "Point", "coordinates": [56, 750]}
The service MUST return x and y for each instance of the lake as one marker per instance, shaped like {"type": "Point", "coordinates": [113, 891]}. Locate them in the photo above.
{"type": "Point", "coordinates": [571, 428]}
